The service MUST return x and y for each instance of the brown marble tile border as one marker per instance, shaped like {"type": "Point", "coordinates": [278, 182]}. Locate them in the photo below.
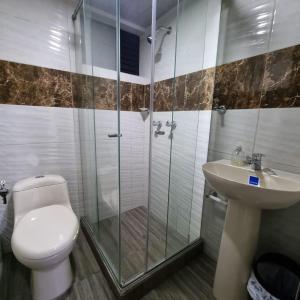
{"type": "Point", "coordinates": [239, 84]}
{"type": "Point", "coordinates": [269, 80]}
{"type": "Point", "coordinates": [30, 85]}
{"type": "Point", "coordinates": [22, 84]}
{"type": "Point", "coordinates": [281, 83]}
{"type": "Point", "coordinates": [193, 91]}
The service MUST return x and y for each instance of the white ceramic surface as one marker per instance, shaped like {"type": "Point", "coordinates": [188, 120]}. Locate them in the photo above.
{"type": "Point", "coordinates": [242, 222]}
{"type": "Point", "coordinates": [45, 231]}
{"type": "Point", "coordinates": [273, 192]}
{"type": "Point", "coordinates": [36, 236]}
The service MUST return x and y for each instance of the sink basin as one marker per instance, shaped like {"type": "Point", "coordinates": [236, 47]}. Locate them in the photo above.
{"type": "Point", "coordinates": [274, 191]}
{"type": "Point", "coordinates": [248, 192]}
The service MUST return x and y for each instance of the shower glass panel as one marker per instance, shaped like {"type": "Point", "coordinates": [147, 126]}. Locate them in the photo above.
{"type": "Point", "coordinates": [164, 59]}
{"type": "Point", "coordinates": [184, 122]}
{"type": "Point", "coordinates": [82, 85]}
{"type": "Point", "coordinates": [135, 19]}
{"type": "Point", "coordinates": [99, 39]}
{"type": "Point", "coordinates": [105, 35]}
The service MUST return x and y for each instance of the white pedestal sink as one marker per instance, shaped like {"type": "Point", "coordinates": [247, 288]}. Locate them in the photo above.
{"type": "Point", "coordinates": [242, 220]}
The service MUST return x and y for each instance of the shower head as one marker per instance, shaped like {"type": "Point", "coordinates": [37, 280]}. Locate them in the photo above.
{"type": "Point", "coordinates": [167, 30]}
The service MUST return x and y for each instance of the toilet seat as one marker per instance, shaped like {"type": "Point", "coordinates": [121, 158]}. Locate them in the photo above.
{"type": "Point", "coordinates": [45, 232]}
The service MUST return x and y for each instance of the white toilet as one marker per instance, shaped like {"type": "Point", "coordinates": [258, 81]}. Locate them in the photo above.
{"type": "Point", "coordinates": [45, 230]}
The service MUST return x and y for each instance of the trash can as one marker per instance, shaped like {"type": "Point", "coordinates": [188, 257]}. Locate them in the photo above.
{"type": "Point", "coordinates": [274, 277]}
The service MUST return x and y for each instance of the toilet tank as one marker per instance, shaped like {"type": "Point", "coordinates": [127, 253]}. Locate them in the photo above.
{"type": "Point", "coordinates": [36, 192]}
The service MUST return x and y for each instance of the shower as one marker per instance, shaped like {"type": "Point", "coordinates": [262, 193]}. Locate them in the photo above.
{"type": "Point", "coordinates": [167, 30]}
{"type": "Point", "coordinates": [137, 209]}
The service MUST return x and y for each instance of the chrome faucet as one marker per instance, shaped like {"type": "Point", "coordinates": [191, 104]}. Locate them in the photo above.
{"type": "Point", "coordinates": [255, 161]}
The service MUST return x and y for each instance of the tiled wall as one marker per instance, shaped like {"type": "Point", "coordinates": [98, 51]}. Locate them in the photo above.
{"type": "Point", "coordinates": [262, 94]}
{"type": "Point", "coordinates": [40, 101]}
{"type": "Point", "coordinates": [192, 91]}
{"type": "Point", "coordinates": [38, 33]}
{"type": "Point", "coordinates": [249, 28]}
{"type": "Point", "coordinates": [264, 81]}
{"type": "Point", "coordinates": [197, 26]}
{"type": "Point", "coordinates": [37, 140]}
{"type": "Point", "coordinates": [37, 135]}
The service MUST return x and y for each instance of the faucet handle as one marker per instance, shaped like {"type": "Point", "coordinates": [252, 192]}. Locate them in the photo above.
{"type": "Point", "coordinates": [248, 160]}
{"type": "Point", "coordinates": [257, 156]}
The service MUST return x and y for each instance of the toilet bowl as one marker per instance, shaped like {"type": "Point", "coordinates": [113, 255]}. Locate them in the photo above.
{"type": "Point", "coordinates": [45, 230]}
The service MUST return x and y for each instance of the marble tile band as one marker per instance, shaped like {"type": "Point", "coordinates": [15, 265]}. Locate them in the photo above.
{"type": "Point", "coordinates": [22, 84]}
{"type": "Point", "coordinates": [30, 85]}
{"type": "Point", "coordinates": [270, 80]}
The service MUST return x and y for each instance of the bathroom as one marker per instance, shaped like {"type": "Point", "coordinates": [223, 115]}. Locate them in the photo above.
{"type": "Point", "coordinates": [130, 129]}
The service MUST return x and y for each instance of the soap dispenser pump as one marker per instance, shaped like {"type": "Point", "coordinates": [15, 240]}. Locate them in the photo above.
{"type": "Point", "coordinates": [238, 156]}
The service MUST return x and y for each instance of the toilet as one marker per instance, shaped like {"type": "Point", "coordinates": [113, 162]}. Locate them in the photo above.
{"type": "Point", "coordinates": [45, 230]}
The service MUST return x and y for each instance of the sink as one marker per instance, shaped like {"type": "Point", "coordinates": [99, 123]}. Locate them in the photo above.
{"type": "Point", "coordinates": [274, 191]}
{"type": "Point", "coordinates": [247, 192]}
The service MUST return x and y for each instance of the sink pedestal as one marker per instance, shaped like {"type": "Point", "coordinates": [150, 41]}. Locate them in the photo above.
{"type": "Point", "coordinates": [238, 246]}
{"type": "Point", "coordinates": [249, 192]}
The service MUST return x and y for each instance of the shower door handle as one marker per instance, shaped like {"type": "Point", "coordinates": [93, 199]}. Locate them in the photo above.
{"type": "Point", "coordinates": [114, 135]}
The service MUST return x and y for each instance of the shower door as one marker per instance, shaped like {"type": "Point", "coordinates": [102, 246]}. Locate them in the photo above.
{"type": "Point", "coordinates": [189, 138]}
{"type": "Point", "coordinates": [177, 149]}
{"type": "Point", "coordinates": [99, 125]}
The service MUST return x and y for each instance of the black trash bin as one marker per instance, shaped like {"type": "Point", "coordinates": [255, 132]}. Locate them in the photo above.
{"type": "Point", "coordinates": [274, 276]}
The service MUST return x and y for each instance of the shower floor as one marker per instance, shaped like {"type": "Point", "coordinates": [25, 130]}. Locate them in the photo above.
{"type": "Point", "coordinates": [162, 242]}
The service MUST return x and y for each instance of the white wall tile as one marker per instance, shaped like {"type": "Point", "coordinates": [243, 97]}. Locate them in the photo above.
{"type": "Point", "coordinates": [38, 140]}
{"type": "Point", "coordinates": [31, 125]}
{"type": "Point", "coordinates": [199, 180]}
{"type": "Point", "coordinates": [244, 29]}
{"type": "Point", "coordinates": [236, 127]}
{"type": "Point", "coordinates": [198, 27]}
{"type": "Point", "coordinates": [278, 137]}
{"type": "Point", "coordinates": [280, 232]}
{"type": "Point", "coordinates": [286, 25]}
{"type": "Point", "coordinates": [36, 32]}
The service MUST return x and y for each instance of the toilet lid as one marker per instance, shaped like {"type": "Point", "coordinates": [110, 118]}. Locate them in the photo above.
{"type": "Point", "coordinates": [44, 232]}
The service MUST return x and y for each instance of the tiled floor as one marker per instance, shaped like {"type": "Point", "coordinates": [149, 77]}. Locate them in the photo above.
{"type": "Point", "coordinates": [192, 282]}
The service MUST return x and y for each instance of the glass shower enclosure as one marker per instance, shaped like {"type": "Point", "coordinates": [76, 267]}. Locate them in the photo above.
{"type": "Point", "coordinates": [138, 141]}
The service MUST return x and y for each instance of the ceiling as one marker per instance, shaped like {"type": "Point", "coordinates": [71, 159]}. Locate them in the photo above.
{"type": "Point", "coordinates": [137, 12]}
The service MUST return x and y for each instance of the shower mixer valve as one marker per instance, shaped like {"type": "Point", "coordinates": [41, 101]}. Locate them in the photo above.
{"type": "Point", "coordinates": [158, 125]}
{"type": "Point", "coordinates": [171, 124]}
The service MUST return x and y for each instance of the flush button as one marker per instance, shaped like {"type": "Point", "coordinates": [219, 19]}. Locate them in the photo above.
{"type": "Point", "coordinates": [40, 176]}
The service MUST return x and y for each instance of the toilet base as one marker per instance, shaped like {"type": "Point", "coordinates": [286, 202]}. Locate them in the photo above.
{"type": "Point", "coordinates": [51, 283]}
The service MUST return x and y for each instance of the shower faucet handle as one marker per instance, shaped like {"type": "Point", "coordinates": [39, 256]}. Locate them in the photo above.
{"type": "Point", "coordinates": [171, 124]}
{"type": "Point", "coordinates": [157, 124]}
